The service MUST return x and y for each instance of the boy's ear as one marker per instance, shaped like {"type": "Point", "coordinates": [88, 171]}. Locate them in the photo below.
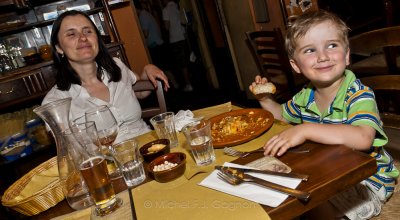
{"type": "Point", "coordinates": [294, 66]}
{"type": "Point", "coordinates": [348, 57]}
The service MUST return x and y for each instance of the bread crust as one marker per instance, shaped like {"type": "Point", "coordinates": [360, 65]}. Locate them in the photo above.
{"type": "Point", "coordinates": [264, 88]}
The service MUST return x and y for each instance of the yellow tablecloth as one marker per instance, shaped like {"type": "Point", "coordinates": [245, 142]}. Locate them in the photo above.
{"type": "Point", "coordinates": [183, 198]}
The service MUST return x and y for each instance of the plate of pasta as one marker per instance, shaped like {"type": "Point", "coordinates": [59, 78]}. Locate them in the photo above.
{"type": "Point", "coordinates": [239, 126]}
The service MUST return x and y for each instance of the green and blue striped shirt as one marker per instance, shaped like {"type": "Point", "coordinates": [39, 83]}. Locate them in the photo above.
{"type": "Point", "coordinates": [354, 104]}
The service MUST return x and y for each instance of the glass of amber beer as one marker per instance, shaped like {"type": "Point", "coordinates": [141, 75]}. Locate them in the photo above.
{"type": "Point", "coordinates": [83, 141]}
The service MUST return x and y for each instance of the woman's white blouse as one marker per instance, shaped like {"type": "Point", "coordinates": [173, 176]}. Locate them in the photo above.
{"type": "Point", "coordinates": [123, 102]}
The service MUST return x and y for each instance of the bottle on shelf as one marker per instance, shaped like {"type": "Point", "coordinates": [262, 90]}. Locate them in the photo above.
{"type": "Point", "coordinates": [6, 63]}
{"type": "Point", "coordinates": [18, 56]}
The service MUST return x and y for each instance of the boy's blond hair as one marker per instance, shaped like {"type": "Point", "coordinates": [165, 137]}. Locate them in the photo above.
{"type": "Point", "coordinates": [300, 25]}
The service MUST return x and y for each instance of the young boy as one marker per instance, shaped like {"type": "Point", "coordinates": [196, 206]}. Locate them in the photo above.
{"type": "Point", "coordinates": [335, 108]}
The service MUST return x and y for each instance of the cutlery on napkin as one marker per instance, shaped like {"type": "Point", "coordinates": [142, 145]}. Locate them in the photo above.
{"type": "Point", "coordinates": [236, 177]}
{"type": "Point", "coordinates": [303, 177]}
{"type": "Point", "coordinates": [252, 192]}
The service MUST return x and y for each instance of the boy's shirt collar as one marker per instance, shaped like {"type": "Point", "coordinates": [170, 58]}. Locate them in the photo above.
{"type": "Point", "coordinates": [305, 98]}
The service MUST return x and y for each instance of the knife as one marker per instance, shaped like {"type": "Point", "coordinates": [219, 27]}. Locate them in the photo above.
{"type": "Point", "coordinates": [242, 177]}
{"type": "Point", "coordinates": [303, 177]}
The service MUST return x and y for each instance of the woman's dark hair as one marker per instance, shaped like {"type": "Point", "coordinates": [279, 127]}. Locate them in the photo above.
{"type": "Point", "coordinates": [66, 75]}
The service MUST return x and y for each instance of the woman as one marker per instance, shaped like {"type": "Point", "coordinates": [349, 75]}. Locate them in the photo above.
{"type": "Point", "coordinates": [87, 73]}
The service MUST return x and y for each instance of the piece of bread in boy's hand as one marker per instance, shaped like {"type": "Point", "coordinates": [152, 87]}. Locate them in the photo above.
{"type": "Point", "coordinates": [262, 90]}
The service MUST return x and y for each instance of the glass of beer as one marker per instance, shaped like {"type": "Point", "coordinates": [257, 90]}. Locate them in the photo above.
{"type": "Point", "coordinates": [107, 130]}
{"type": "Point", "coordinates": [92, 165]}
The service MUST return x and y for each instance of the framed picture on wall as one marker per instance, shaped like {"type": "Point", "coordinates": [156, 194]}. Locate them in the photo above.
{"type": "Point", "coordinates": [292, 8]}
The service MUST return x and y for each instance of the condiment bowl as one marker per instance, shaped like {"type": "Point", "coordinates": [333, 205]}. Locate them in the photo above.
{"type": "Point", "coordinates": [152, 150]}
{"type": "Point", "coordinates": [170, 173]}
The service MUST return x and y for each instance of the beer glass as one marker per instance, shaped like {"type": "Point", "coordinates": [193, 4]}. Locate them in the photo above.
{"type": "Point", "coordinates": [107, 130]}
{"type": "Point", "coordinates": [91, 162]}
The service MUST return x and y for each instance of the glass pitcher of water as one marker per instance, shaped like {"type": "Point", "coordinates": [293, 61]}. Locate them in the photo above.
{"type": "Point", "coordinates": [56, 116]}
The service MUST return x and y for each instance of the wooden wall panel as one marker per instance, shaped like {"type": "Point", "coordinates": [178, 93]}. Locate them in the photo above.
{"type": "Point", "coordinates": [129, 30]}
{"type": "Point", "coordinates": [238, 22]}
{"type": "Point", "coordinates": [275, 16]}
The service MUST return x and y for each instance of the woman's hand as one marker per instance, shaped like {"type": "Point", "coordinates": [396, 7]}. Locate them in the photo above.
{"type": "Point", "coordinates": [152, 73]}
{"type": "Point", "coordinates": [288, 138]}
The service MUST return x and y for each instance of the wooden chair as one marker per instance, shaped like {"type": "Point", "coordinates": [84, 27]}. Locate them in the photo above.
{"type": "Point", "coordinates": [149, 109]}
{"type": "Point", "coordinates": [268, 50]}
{"type": "Point", "coordinates": [379, 50]}
{"type": "Point", "coordinates": [387, 92]}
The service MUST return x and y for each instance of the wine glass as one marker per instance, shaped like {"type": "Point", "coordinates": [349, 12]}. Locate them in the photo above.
{"type": "Point", "coordinates": [107, 130]}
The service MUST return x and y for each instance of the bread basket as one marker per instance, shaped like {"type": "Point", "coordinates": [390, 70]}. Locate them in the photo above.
{"type": "Point", "coordinates": [36, 191]}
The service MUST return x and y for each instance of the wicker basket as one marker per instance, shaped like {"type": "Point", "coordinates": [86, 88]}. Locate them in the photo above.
{"type": "Point", "coordinates": [48, 195]}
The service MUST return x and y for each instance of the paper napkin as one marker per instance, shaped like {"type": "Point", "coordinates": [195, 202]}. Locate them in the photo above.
{"type": "Point", "coordinates": [251, 191]}
{"type": "Point", "coordinates": [184, 117]}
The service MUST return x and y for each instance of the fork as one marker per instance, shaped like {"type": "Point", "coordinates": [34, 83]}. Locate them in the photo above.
{"type": "Point", "coordinates": [241, 154]}
{"type": "Point", "coordinates": [235, 180]}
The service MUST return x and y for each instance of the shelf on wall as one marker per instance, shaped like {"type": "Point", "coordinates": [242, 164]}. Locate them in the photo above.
{"type": "Point", "coordinates": [23, 71]}
{"type": "Point", "coordinates": [39, 24]}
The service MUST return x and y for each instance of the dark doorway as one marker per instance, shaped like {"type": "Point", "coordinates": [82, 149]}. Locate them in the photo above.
{"type": "Point", "coordinates": [217, 42]}
{"type": "Point", "coordinates": [204, 93]}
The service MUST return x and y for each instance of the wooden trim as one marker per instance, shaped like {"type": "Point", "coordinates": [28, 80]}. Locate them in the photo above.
{"type": "Point", "coordinates": [289, 9]}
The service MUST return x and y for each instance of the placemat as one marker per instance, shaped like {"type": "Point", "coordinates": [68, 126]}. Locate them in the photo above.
{"type": "Point", "coordinates": [184, 199]}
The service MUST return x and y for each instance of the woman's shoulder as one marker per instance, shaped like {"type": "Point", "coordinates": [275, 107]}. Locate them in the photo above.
{"type": "Point", "coordinates": [121, 64]}
{"type": "Point", "coordinates": [55, 94]}
{"type": "Point", "coordinates": [126, 73]}
{"type": "Point", "coordinates": [118, 61]}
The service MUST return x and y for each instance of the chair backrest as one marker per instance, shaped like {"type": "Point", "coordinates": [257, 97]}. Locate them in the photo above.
{"type": "Point", "coordinates": [150, 111]}
{"type": "Point", "coordinates": [382, 41]}
{"type": "Point", "coordinates": [387, 93]}
{"type": "Point", "coordinates": [268, 50]}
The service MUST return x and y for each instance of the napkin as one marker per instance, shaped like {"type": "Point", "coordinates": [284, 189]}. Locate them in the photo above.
{"type": "Point", "coordinates": [182, 118]}
{"type": "Point", "coordinates": [250, 191]}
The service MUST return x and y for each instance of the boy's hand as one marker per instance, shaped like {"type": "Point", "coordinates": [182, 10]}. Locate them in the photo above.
{"type": "Point", "coordinates": [266, 100]}
{"type": "Point", "coordinates": [280, 143]}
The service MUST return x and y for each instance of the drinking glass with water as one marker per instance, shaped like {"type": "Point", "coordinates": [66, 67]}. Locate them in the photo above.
{"type": "Point", "coordinates": [198, 136]}
{"type": "Point", "coordinates": [164, 125]}
{"type": "Point", "coordinates": [129, 161]}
